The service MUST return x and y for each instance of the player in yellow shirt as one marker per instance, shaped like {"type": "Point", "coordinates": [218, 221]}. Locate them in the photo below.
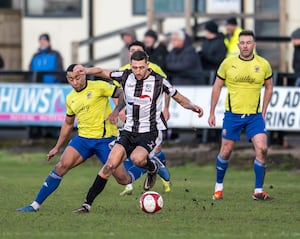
{"type": "Point", "coordinates": [89, 102]}
{"type": "Point", "coordinates": [244, 76]}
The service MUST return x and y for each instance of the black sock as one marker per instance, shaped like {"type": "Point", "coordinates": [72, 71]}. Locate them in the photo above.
{"type": "Point", "coordinates": [95, 190]}
{"type": "Point", "coordinates": [150, 165]}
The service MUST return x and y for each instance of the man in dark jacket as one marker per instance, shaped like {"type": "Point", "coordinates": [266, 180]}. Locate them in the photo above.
{"type": "Point", "coordinates": [47, 59]}
{"type": "Point", "coordinates": [156, 51]}
{"type": "Point", "coordinates": [295, 38]}
{"type": "Point", "coordinates": [183, 63]}
{"type": "Point", "coordinates": [213, 48]}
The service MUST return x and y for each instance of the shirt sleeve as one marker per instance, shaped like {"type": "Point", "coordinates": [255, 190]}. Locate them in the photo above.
{"type": "Point", "coordinates": [168, 88]}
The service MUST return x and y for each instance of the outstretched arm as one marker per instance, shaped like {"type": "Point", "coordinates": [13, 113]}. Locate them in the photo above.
{"type": "Point", "coordinates": [95, 71]}
{"type": "Point", "coordinates": [186, 103]}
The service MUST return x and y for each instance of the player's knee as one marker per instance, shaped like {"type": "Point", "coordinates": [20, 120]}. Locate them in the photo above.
{"type": "Point", "coordinates": [136, 159]}
{"type": "Point", "coordinates": [61, 168]}
{"type": "Point", "coordinates": [107, 169]}
{"type": "Point", "coordinates": [225, 153]}
{"type": "Point", "coordinates": [263, 150]}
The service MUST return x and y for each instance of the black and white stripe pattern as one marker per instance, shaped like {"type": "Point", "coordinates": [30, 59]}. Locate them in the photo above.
{"type": "Point", "coordinates": [144, 100]}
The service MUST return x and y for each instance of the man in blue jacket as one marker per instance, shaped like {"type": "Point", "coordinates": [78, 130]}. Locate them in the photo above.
{"type": "Point", "coordinates": [46, 59]}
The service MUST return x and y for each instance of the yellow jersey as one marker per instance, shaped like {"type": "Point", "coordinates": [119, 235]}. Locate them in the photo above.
{"type": "Point", "coordinates": [91, 106]}
{"type": "Point", "coordinates": [244, 80]}
{"type": "Point", "coordinates": [232, 43]}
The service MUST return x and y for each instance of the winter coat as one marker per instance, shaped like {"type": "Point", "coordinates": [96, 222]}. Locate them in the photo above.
{"type": "Point", "coordinates": [158, 55]}
{"type": "Point", "coordinates": [47, 60]}
{"type": "Point", "coordinates": [213, 52]}
{"type": "Point", "coordinates": [183, 65]}
{"type": "Point", "coordinates": [296, 59]}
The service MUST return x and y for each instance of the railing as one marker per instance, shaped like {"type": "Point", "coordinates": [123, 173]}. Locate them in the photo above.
{"type": "Point", "coordinates": [88, 42]}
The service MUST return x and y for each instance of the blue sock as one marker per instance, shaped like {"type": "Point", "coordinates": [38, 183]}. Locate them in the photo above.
{"type": "Point", "coordinates": [128, 163]}
{"type": "Point", "coordinates": [51, 183]}
{"type": "Point", "coordinates": [163, 171]}
{"type": "Point", "coordinates": [136, 172]}
{"type": "Point", "coordinates": [221, 167]}
{"type": "Point", "coordinates": [259, 170]}
{"type": "Point", "coordinates": [162, 157]}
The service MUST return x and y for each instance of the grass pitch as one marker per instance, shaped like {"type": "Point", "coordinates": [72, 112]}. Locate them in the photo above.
{"type": "Point", "coordinates": [188, 210]}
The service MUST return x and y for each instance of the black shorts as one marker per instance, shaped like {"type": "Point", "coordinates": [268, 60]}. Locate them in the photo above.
{"type": "Point", "coordinates": [130, 140]}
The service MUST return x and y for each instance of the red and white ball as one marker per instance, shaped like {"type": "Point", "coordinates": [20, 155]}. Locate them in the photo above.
{"type": "Point", "coordinates": [151, 202]}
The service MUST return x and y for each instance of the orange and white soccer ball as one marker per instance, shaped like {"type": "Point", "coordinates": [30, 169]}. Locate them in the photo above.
{"type": "Point", "coordinates": [151, 202]}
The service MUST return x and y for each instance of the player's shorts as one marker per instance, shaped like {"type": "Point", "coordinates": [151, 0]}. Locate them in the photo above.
{"type": "Point", "coordinates": [233, 124]}
{"type": "Point", "coordinates": [88, 147]}
{"type": "Point", "coordinates": [148, 141]}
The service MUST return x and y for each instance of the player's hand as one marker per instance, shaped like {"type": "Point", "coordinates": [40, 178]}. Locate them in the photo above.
{"type": "Point", "coordinates": [212, 121]}
{"type": "Point", "coordinates": [51, 153]}
{"type": "Point", "coordinates": [198, 110]}
{"type": "Point", "coordinates": [79, 69]}
{"type": "Point", "coordinates": [113, 117]}
{"type": "Point", "coordinates": [122, 115]}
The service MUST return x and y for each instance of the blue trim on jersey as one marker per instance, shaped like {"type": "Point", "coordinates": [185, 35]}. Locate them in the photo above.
{"type": "Point", "coordinates": [233, 124]}
{"type": "Point", "coordinates": [88, 147]}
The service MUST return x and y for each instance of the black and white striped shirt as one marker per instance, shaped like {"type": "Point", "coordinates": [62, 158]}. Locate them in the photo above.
{"type": "Point", "coordinates": [144, 100]}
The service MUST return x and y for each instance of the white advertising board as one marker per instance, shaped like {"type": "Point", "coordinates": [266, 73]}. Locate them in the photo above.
{"type": "Point", "coordinates": [283, 111]}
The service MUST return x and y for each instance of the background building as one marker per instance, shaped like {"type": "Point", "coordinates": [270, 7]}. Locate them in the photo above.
{"type": "Point", "coordinates": [74, 24]}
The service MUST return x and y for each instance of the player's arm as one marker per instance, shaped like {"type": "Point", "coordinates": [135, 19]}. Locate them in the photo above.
{"type": "Point", "coordinates": [119, 95]}
{"type": "Point", "coordinates": [267, 95]}
{"type": "Point", "coordinates": [215, 94]}
{"type": "Point", "coordinates": [166, 112]}
{"type": "Point", "coordinates": [186, 103]}
{"type": "Point", "coordinates": [64, 135]}
{"type": "Point", "coordinates": [95, 71]}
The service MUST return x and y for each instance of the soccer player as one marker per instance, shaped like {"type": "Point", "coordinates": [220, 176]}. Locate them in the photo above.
{"type": "Point", "coordinates": [89, 102]}
{"type": "Point", "coordinates": [163, 171]}
{"type": "Point", "coordinates": [143, 96]}
{"type": "Point", "coordinates": [244, 76]}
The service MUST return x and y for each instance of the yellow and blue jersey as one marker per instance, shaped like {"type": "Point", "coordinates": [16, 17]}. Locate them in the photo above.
{"type": "Point", "coordinates": [244, 80]}
{"type": "Point", "coordinates": [91, 106]}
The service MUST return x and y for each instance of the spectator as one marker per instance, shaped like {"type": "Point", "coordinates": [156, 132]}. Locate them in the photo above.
{"type": "Point", "coordinates": [213, 49]}
{"type": "Point", "coordinates": [47, 59]}
{"type": "Point", "coordinates": [128, 36]}
{"type": "Point", "coordinates": [295, 38]}
{"type": "Point", "coordinates": [182, 63]}
{"type": "Point", "coordinates": [156, 51]}
{"type": "Point", "coordinates": [232, 37]}
{"type": "Point", "coordinates": [1, 62]}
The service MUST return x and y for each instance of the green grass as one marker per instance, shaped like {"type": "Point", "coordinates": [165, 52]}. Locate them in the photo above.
{"type": "Point", "coordinates": [188, 210]}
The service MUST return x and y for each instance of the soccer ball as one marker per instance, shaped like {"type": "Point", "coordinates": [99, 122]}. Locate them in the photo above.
{"type": "Point", "coordinates": [151, 202]}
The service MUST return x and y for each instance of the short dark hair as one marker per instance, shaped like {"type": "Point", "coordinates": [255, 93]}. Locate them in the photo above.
{"type": "Point", "coordinates": [247, 33]}
{"type": "Point", "coordinates": [139, 56]}
{"type": "Point", "coordinates": [137, 43]}
{"type": "Point", "coordinates": [71, 67]}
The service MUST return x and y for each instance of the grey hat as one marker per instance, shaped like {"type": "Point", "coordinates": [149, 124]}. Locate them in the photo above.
{"type": "Point", "coordinates": [296, 34]}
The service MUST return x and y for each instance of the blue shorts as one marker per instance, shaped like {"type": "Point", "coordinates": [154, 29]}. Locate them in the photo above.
{"type": "Point", "coordinates": [233, 124]}
{"type": "Point", "coordinates": [88, 147]}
